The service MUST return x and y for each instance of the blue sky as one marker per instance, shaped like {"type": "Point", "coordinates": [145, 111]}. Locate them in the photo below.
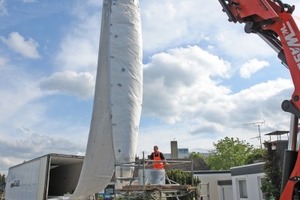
{"type": "Point", "coordinates": [204, 78]}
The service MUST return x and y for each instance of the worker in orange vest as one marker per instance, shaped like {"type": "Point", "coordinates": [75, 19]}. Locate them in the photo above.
{"type": "Point", "coordinates": [157, 156]}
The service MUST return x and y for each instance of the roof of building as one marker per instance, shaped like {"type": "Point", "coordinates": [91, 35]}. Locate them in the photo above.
{"type": "Point", "coordinates": [187, 164]}
{"type": "Point", "coordinates": [248, 169]}
{"type": "Point", "coordinates": [277, 133]}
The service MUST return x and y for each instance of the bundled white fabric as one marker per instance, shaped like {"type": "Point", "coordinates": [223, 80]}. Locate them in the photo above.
{"type": "Point", "coordinates": [118, 97]}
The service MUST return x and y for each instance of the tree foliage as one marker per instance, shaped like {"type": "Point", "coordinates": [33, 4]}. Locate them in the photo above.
{"type": "Point", "coordinates": [256, 155]}
{"type": "Point", "coordinates": [183, 178]}
{"type": "Point", "coordinates": [196, 155]}
{"type": "Point", "coordinates": [2, 182]}
{"type": "Point", "coordinates": [272, 181]}
{"type": "Point", "coordinates": [230, 152]}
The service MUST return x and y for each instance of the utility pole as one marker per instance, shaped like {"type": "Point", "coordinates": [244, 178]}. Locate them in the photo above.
{"type": "Point", "coordinates": [258, 124]}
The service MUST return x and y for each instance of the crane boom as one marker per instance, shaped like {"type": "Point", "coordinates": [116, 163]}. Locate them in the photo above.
{"type": "Point", "coordinates": [272, 20]}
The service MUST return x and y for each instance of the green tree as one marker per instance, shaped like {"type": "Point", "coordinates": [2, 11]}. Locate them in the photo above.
{"type": "Point", "coordinates": [257, 155]}
{"type": "Point", "coordinates": [2, 183]}
{"type": "Point", "coordinates": [2, 179]}
{"type": "Point", "coordinates": [272, 181]}
{"type": "Point", "coordinates": [196, 155]}
{"type": "Point", "coordinates": [183, 178]}
{"type": "Point", "coordinates": [229, 152]}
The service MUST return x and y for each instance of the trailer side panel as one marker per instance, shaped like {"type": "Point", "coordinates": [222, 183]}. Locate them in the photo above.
{"type": "Point", "coordinates": [27, 180]}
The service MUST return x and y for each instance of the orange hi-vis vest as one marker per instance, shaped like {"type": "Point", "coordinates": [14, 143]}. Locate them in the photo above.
{"type": "Point", "coordinates": [156, 163]}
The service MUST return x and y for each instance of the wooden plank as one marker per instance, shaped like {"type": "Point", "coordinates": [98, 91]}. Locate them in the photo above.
{"type": "Point", "coordinates": [155, 187]}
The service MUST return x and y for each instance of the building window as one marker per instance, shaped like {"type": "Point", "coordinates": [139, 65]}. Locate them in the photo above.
{"type": "Point", "coordinates": [243, 189]}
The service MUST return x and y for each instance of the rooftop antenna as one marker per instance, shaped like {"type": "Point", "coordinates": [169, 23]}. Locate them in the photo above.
{"type": "Point", "coordinates": [258, 124]}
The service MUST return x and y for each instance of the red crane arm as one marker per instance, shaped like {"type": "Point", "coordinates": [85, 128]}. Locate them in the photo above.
{"type": "Point", "coordinates": [272, 20]}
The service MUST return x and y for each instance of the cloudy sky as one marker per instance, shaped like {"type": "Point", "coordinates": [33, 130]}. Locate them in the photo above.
{"type": "Point", "coordinates": [204, 78]}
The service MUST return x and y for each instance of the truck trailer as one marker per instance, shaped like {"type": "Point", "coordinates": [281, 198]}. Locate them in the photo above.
{"type": "Point", "coordinates": [43, 178]}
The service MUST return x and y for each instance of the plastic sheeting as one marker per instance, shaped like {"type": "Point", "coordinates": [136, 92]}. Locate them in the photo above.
{"type": "Point", "coordinates": [152, 176]}
{"type": "Point", "coordinates": [118, 98]}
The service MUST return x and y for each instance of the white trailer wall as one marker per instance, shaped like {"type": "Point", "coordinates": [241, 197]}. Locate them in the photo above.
{"type": "Point", "coordinates": [49, 176]}
{"type": "Point", "coordinates": [27, 181]}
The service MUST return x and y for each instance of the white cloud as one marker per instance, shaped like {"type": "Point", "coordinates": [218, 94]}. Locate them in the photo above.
{"type": "Point", "coordinates": [173, 22]}
{"type": "Point", "coordinates": [79, 55]}
{"type": "Point", "coordinates": [78, 84]}
{"type": "Point", "coordinates": [181, 80]}
{"type": "Point", "coordinates": [16, 151]}
{"type": "Point", "coordinates": [251, 67]}
{"type": "Point", "coordinates": [79, 46]}
{"type": "Point", "coordinates": [3, 10]}
{"type": "Point", "coordinates": [3, 61]}
{"type": "Point", "coordinates": [265, 90]}
{"type": "Point", "coordinates": [19, 92]}
{"type": "Point", "coordinates": [36, 144]}
{"type": "Point", "coordinates": [184, 87]}
{"type": "Point", "coordinates": [27, 48]}
{"type": "Point", "coordinates": [215, 116]}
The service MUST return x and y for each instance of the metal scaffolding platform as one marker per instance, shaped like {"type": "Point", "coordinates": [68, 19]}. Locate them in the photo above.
{"type": "Point", "coordinates": [139, 187]}
{"type": "Point", "coordinates": [157, 192]}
